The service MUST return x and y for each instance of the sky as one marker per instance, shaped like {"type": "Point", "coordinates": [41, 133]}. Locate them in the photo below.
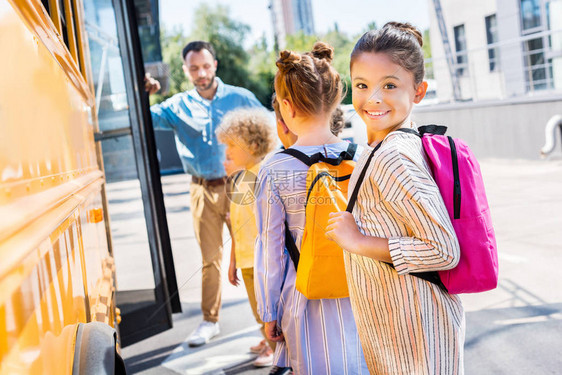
{"type": "Point", "coordinates": [352, 16]}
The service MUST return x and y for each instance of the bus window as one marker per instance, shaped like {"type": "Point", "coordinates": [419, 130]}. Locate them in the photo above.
{"type": "Point", "coordinates": [78, 40]}
{"type": "Point", "coordinates": [54, 11]}
{"type": "Point", "coordinates": [46, 5]}
{"type": "Point", "coordinates": [69, 29]}
{"type": "Point", "coordinates": [62, 14]}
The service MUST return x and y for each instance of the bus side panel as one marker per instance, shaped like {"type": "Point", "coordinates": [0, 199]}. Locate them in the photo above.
{"type": "Point", "coordinates": [98, 264]}
{"type": "Point", "coordinates": [47, 129]}
{"type": "Point", "coordinates": [56, 269]}
{"type": "Point", "coordinates": [44, 297]}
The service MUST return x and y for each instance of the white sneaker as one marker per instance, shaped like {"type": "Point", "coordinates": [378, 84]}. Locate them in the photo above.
{"type": "Point", "coordinates": [265, 359]}
{"type": "Point", "coordinates": [258, 348]}
{"type": "Point", "coordinates": [203, 333]}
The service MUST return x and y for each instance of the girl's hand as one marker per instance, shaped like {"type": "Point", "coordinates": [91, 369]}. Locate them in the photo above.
{"type": "Point", "coordinates": [343, 230]}
{"type": "Point", "coordinates": [232, 274]}
{"type": "Point", "coordinates": [273, 332]}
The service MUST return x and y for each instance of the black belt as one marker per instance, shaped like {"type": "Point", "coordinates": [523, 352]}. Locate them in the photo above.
{"type": "Point", "coordinates": [205, 182]}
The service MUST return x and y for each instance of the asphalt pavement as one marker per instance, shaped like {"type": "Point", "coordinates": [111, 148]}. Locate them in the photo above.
{"type": "Point", "coordinates": [514, 329]}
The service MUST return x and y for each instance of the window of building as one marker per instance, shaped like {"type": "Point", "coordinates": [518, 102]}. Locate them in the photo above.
{"type": "Point", "coordinates": [460, 49]}
{"type": "Point", "coordinates": [538, 77]}
{"type": "Point", "coordinates": [530, 14]}
{"type": "Point", "coordinates": [492, 38]}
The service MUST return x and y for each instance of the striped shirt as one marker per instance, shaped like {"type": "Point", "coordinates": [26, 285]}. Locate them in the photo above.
{"type": "Point", "coordinates": [407, 325]}
{"type": "Point", "coordinates": [320, 335]}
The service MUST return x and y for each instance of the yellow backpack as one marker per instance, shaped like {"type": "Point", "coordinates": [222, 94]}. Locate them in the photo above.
{"type": "Point", "coordinates": [320, 266]}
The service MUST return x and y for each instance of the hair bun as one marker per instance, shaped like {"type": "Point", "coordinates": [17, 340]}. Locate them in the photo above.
{"type": "Point", "coordinates": [407, 28]}
{"type": "Point", "coordinates": [323, 51]}
{"type": "Point", "coordinates": [287, 61]}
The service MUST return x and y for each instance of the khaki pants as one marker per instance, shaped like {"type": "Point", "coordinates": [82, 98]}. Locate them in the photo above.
{"type": "Point", "coordinates": [248, 277]}
{"type": "Point", "coordinates": [209, 206]}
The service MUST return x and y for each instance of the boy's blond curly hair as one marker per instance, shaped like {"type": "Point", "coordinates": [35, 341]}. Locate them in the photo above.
{"type": "Point", "coordinates": [250, 128]}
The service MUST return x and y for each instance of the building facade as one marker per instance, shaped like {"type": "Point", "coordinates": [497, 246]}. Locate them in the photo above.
{"type": "Point", "coordinates": [499, 49]}
{"type": "Point", "coordinates": [290, 17]}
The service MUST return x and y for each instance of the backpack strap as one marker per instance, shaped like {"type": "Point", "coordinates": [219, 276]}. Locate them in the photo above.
{"type": "Point", "coordinates": [440, 130]}
{"type": "Point", "coordinates": [432, 129]}
{"type": "Point", "coordinates": [426, 129]}
{"type": "Point", "coordinates": [456, 179]}
{"type": "Point", "coordinates": [353, 198]}
{"type": "Point", "coordinates": [348, 154]}
{"type": "Point", "coordinates": [318, 177]}
{"type": "Point", "coordinates": [291, 246]}
{"type": "Point", "coordinates": [431, 276]}
{"type": "Point", "coordinates": [409, 131]}
{"type": "Point", "coordinates": [298, 155]}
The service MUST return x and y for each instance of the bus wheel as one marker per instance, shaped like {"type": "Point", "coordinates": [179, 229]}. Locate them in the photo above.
{"type": "Point", "coordinates": [95, 351]}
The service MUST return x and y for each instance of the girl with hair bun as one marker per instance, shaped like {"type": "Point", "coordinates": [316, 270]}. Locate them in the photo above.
{"type": "Point", "coordinates": [313, 336]}
{"type": "Point", "coordinates": [399, 225]}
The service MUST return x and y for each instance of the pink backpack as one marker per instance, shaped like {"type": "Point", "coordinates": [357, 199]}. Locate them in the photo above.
{"type": "Point", "coordinates": [457, 174]}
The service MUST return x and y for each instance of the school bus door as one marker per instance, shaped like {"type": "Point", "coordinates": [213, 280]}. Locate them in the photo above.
{"type": "Point", "coordinates": [146, 282]}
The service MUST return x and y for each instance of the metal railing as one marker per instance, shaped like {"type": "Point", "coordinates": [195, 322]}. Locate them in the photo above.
{"type": "Point", "coordinates": [524, 66]}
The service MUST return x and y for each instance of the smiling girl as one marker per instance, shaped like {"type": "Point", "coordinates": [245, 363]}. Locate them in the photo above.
{"type": "Point", "coordinates": [399, 225]}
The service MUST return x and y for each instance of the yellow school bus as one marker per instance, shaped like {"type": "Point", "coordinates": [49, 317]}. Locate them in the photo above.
{"type": "Point", "coordinates": [56, 270]}
{"type": "Point", "coordinates": [68, 89]}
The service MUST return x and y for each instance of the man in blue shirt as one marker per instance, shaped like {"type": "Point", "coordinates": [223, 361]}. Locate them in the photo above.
{"type": "Point", "coordinates": [194, 116]}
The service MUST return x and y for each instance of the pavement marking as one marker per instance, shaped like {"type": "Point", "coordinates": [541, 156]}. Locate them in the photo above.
{"type": "Point", "coordinates": [512, 258]}
{"type": "Point", "coordinates": [532, 319]}
{"type": "Point", "coordinates": [222, 352]}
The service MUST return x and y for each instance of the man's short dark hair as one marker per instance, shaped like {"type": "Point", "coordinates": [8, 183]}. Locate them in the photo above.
{"type": "Point", "coordinates": [197, 46]}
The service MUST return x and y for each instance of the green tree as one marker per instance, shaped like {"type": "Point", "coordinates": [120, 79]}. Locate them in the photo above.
{"type": "Point", "coordinates": [426, 44]}
{"type": "Point", "coordinates": [343, 46]}
{"type": "Point", "coordinates": [262, 70]}
{"type": "Point", "coordinates": [427, 54]}
{"type": "Point", "coordinates": [300, 42]}
{"type": "Point", "coordinates": [370, 26]}
{"type": "Point", "coordinates": [227, 36]}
